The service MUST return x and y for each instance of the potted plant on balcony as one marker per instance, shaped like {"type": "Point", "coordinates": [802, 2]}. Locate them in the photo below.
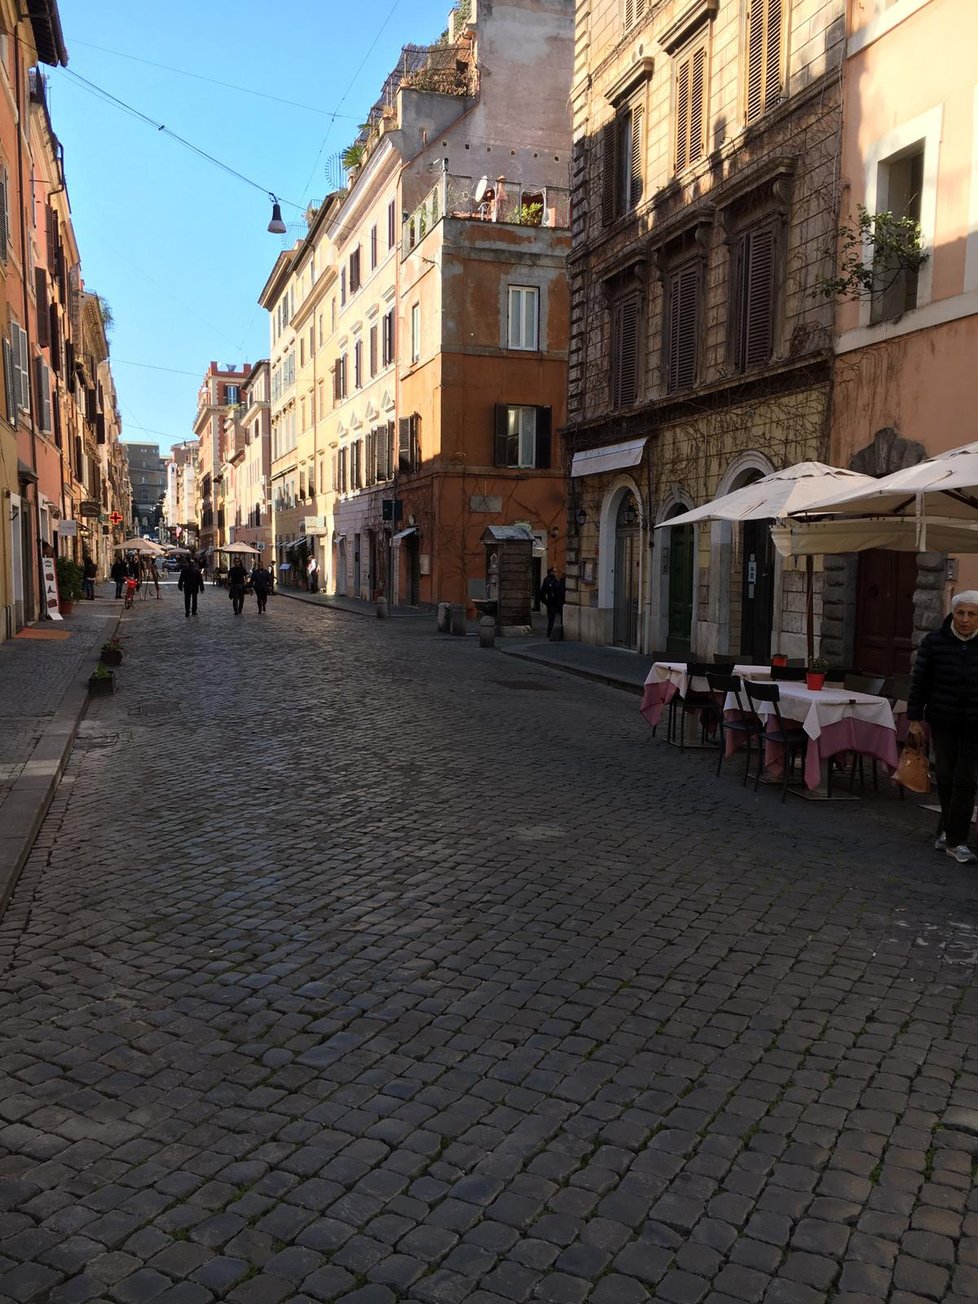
{"type": "Point", "coordinates": [101, 681]}
{"type": "Point", "coordinates": [70, 589]}
{"type": "Point", "coordinates": [815, 674]}
{"type": "Point", "coordinates": [112, 651]}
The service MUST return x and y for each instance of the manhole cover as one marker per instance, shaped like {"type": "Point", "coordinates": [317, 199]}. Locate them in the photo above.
{"type": "Point", "coordinates": [156, 708]}
{"type": "Point", "coordinates": [525, 685]}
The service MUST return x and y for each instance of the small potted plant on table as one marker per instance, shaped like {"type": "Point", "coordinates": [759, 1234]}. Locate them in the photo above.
{"type": "Point", "coordinates": [112, 652]}
{"type": "Point", "coordinates": [815, 673]}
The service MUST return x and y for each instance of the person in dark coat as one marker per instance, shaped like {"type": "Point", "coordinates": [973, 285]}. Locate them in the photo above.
{"type": "Point", "coordinates": [944, 692]}
{"type": "Point", "coordinates": [237, 579]}
{"type": "Point", "coordinates": [552, 597]}
{"type": "Point", "coordinates": [261, 583]}
{"type": "Point", "coordinates": [118, 574]}
{"type": "Point", "coordinates": [192, 583]}
{"type": "Point", "coordinates": [89, 572]}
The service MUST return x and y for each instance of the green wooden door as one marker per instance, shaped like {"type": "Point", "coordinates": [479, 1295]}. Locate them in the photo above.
{"type": "Point", "coordinates": [679, 635]}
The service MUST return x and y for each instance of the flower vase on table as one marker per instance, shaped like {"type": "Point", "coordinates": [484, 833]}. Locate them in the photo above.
{"type": "Point", "coordinates": [815, 675]}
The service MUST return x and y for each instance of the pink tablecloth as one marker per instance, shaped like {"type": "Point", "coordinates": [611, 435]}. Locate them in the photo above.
{"type": "Point", "coordinates": [847, 735]}
{"type": "Point", "coordinates": [655, 698]}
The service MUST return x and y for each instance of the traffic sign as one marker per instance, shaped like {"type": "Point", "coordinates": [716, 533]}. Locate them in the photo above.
{"type": "Point", "coordinates": [115, 518]}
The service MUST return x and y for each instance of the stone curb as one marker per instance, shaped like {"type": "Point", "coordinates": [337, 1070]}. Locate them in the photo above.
{"type": "Point", "coordinates": [32, 792]}
{"type": "Point", "coordinates": [596, 676]}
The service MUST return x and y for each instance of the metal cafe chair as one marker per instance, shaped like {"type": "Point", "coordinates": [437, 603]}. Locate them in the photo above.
{"type": "Point", "coordinates": [873, 685]}
{"type": "Point", "coordinates": [696, 700]}
{"type": "Point", "coordinates": [793, 740]}
{"type": "Point", "coordinates": [748, 725]}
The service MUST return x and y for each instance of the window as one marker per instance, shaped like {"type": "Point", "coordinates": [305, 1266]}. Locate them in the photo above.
{"type": "Point", "coordinates": [21, 367]}
{"type": "Point", "coordinates": [356, 466]}
{"type": "Point", "coordinates": [409, 443]}
{"type": "Point", "coordinates": [753, 297]}
{"type": "Point", "coordinates": [232, 394]}
{"type": "Point", "coordinates": [373, 350]}
{"type": "Point", "coordinates": [682, 307]}
{"type": "Point", "coordinates": [384, 443]}
{"type": "Point", "coordinates": [342, 474]}
{"type": "Point", "coordinates": [358, 365]}
{"type": "Point", "coordinates": [522, 436]}
{"type": "Point", "coordinates": [632, 12]}
{"type": "Point", "coordinates": [339, 379]}
{"type": "Point", "coordinates": [524, 317]}
{"type": "Point", "coordinates": [765, 57]}
{"type": "Point", "coordinates": [391, 225]}
{"type": "Point", "coordinates": [625, 350]}
{"type": "Point", "coordinates": [621, 186]}
{"type": "Point", "coordinates": [899, 188]}
{"type": "Point", "coordinates": [373, 247]}
{"type": "Point", "coordinates": [387, 340]}
{"type": "Point", "coordinates": [342, 286]}
{"type": "Point", "coordinates": [690, 99]}
{"type": "Point", "coordinates": [415, 332]}
{"type": "Point", "coordinates": [355, 270]}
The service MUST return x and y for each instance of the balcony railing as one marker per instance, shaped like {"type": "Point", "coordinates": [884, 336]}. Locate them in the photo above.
{"type": "Point", "coordinates": [510, 203]}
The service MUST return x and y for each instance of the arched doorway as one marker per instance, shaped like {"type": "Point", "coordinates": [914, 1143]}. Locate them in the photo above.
{"type": "Point", "coordinates": [679, 601]}
{"type": "Point", "coordinates": [627, 574]}
{"type": "Point", "coordinates": [752, 601]}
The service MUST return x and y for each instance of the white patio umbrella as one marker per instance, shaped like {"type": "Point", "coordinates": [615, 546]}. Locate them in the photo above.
{"type": "Point", "coordinates": [773, 497]}
{"type": "Point", "coordinates": [139, 545]}
{"type": "Point", "coordinates": [244, 548]}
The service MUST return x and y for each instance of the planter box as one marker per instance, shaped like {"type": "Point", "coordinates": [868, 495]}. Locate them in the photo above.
{"type": "Point", "coordinates": [98, 687]}
{"type": "Point", "coordinates": [111, 657]}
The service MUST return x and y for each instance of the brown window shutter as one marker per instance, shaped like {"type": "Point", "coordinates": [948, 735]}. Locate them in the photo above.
{"type": "Point", "coordinates": [755, 296]}
{"type": "Point", "coordinates": [10, 382]}
{"type": "Point", "coordinates": [635, 156]}
{"type": "Point", "coordinates": [55, 332]}
{"type": "Point", "coordinates": [415, 441]}
{"type": "Point", "coordinates": [501, 426]}
{"type": "Point", "coordinates": [404, 445]}
{"type": "Point", "coordinates": [43, 316]}
{"type": "Point", "coordinates": [608, 206]}
{"type": "Point", "coordinates": [51, 238]}
{"type": "Point", "coordinates": [697, 104]}
{"type": "Point", "coordinates": [755, 60]}
{"type": "Point", "coordinates": [682, 325]}
{"type": "Point", "coordinates": [773, 84]}
{"type": "Point", "coordinates": [682, 115]}
{"type": "Point", "coordinates": [626, 353]}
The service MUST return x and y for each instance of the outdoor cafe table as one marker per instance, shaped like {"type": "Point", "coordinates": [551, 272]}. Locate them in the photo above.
{"type": "Point", "coordinates": [835, 720]}
{"type": "Point", "coordinates": [667, 678]}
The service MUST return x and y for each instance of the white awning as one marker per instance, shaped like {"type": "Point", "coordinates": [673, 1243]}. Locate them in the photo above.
{"type": "Point", "coordinates": [612, 457]}
{"type": "Point", "coordinates": [403, 534]}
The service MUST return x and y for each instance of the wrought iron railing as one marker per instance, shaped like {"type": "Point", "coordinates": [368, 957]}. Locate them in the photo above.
{"type": "Point", "coordinates": [512, 203]}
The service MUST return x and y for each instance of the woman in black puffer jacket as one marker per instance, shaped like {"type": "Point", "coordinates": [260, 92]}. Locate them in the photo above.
{"type": "Point", "coordinates": [944, 692]}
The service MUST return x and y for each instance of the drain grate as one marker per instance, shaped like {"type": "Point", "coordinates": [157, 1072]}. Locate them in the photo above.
{"type": "Point", "coordinates": [156, 708]}
{"type": "Point", "coordinates": [525, 685]}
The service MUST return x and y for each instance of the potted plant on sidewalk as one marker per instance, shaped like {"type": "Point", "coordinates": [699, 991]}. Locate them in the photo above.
{"type": "Point", "coordinates": [815, 674]}
{"type": "Point", "coordinates": [101, 681]}
{"type": "Point", "coordinates": [112, 651]}
{"type": "Point", "coordinates": [70, 589]}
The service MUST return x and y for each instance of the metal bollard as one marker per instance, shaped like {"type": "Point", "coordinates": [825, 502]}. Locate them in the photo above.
{"type": "Point", "coordinates": [382, 611]}
{"type": "Point", "coordinates": [444, 617]}
{"type": "Point", "coordinates": [487, 632]}
{"type": "Point", "coordinates": [458, 625]}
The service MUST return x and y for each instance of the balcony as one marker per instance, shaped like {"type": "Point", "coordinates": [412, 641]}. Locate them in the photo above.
{"type": "Point", "coordinates": [507, 203]}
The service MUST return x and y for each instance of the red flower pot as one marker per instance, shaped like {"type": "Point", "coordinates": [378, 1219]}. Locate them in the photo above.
{"type": "Point", "coordinates": [779, 660]}
{"type": "Point", "coordinates": [815, 680]}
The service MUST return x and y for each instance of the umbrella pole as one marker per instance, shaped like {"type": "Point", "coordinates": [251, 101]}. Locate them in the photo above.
{"type": "Point", "coordinates": [810, 606]}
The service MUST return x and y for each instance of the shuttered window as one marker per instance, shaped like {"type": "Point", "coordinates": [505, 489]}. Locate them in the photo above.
{"type": "Point", "coordinates": [682, 324]}
{"type": "Point", "coordinates": [4, 212]}
{"type": "Point", "coordinates": [373, 350]}
{"type": "Point", "coordinates": [524, 317]}
{"type": "Point", "coordinates": [754, 294]}
{"type": "Point", "coordinates": [409, 443]}
{"type": "Point", "coordinates": [625, 351]}
{"type": "Point", "coordinates": [41, 302]}
{"type": "Point", "coordinates": [690, 99]}
{"type": "Point", "coordinates": [765, 56]}
{"type": "Point", "coordinates": [623, 146]}
{"type": "Point", "coordinates": [43, 395]}
{"type": "Point", "coordinates": [632, 11]}
{"type": "Point", "coordinates": [522, 436]}
{"type": "Point", "coordinates": [10, 382]}
{"type": "Point", "coordinates": [22, 374]}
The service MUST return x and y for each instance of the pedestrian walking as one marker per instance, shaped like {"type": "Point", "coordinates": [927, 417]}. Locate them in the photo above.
{"type": "Point", "coordinates": [312, 574]}
{"type": "Point", "coordinates": [118, 574]}
{"type": "Point", "coordinates": [237, 579]}
{"type": "Point", "coordinates": [261, 583]}
{"type": "Point", "coordinates": [153, 574]}
{"type": "Point", "coordinates": [192, 583]}
{"type": "Point", "coordinates": [132, 568]}
{"type": "Point", "coordinates": [552, 596]}
{"type": "Point", "coordinates": [944, 692]}
{"type": "Point", "coordinates": [89, 572]}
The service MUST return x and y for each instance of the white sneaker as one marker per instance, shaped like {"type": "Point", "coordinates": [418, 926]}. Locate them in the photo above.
{"type": "Point", "coordinates": [963, 855]}
{"type": "Point", "coordinates": [940, 842]}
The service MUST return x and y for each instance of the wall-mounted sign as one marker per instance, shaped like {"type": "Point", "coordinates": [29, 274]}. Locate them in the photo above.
{"type": "Point", "coordinates": [68, 529]}
{"type": "Point", "coordinates": [89, 509]}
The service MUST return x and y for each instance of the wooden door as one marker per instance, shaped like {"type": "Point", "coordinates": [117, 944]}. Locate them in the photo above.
{"type": "Point", "coordinates": [679, 633]}
{"type": "Point", "coordinates": [885, 586]}
{"type": "Point", "coordinates": [757, 593]}
{"type": "Point", "coordinates": [627, 563]}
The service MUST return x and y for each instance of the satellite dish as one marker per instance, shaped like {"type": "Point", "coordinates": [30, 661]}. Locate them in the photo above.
{"type": "Point", "coordinates": [481, 187]}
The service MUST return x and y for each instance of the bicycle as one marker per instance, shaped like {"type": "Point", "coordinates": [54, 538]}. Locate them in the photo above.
{"type": "Point", "coordinates": [131, 586]}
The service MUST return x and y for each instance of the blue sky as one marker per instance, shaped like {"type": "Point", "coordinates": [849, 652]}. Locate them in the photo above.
{"type": "Point", "coordinates": [177, 246]}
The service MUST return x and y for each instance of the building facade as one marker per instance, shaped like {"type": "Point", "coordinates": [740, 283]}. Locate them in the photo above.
{"type": "Point", "coordinates": [705, 201]}
{"type": "Point", "coordinates": [251, 464]}
{"type": "Point", "coordinates": [220, 391]}
{"type": "Point", "coordinates": [181, 510]}
{"type": "Point", "coordinates": [905, 376]}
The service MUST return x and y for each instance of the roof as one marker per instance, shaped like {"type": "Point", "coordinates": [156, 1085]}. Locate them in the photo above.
{"type": "Point", "coordinates": [507, 534]}
{"type": "Point", "coordinates": [48, 37]}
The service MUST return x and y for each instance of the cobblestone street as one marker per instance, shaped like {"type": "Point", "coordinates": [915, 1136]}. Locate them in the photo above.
{"type": "Point", "coordinates": [355, 963]}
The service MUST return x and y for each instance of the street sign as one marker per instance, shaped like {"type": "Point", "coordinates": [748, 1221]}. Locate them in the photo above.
{"type": "Point", "coordinates": [89, 509]}
{"type": "Point", "coordinates": [115, 518]}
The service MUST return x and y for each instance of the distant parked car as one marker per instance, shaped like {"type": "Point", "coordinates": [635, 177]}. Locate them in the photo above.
{"type": "Point", "coordinates": [172, 563]}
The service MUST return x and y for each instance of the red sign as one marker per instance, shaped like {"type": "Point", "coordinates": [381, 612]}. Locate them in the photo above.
{"type": "Point", "coordinates": [115, 518]}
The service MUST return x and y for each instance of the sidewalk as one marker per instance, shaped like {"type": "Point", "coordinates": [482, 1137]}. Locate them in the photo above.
{"type": "Point", "coordinates": [44, 697]}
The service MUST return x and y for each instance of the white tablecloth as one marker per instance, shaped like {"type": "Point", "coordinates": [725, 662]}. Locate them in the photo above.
{"type": "Point", "coordinates": [815, 710]}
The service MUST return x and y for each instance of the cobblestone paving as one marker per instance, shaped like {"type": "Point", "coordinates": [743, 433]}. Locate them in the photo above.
{"type": "Point", "coordinates": [355, 963]}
